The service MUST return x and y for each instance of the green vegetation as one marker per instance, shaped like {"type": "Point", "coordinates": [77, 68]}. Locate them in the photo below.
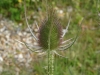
{"type": "Point", "coordinates": [83, 58]}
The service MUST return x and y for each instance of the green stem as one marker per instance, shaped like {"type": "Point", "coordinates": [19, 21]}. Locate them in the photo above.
{"type": "Point", "coordinates": [51, 63]}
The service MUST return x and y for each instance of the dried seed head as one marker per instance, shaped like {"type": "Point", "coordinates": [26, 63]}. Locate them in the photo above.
{"type": "Point", "coordinates": [50, 30]}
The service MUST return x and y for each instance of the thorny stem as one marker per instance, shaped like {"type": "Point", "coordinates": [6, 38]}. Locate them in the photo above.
{"type": "Point", "coordinates": [51, 63]}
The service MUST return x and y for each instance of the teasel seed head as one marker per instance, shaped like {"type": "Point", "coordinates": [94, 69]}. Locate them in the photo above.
{"type": "Point", "coordinates": [50, 29]}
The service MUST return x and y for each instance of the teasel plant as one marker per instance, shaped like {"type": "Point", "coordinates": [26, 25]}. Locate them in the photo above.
{"type": "Point", "coordinates": [50, 37]}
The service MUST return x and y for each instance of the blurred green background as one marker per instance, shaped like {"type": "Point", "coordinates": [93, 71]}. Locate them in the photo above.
{"type": "Point", "coordinates": [84, 55]}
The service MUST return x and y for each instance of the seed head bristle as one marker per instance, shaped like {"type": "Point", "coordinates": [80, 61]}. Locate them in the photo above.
{"type": "Point", "coordinates": [50, 24]}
